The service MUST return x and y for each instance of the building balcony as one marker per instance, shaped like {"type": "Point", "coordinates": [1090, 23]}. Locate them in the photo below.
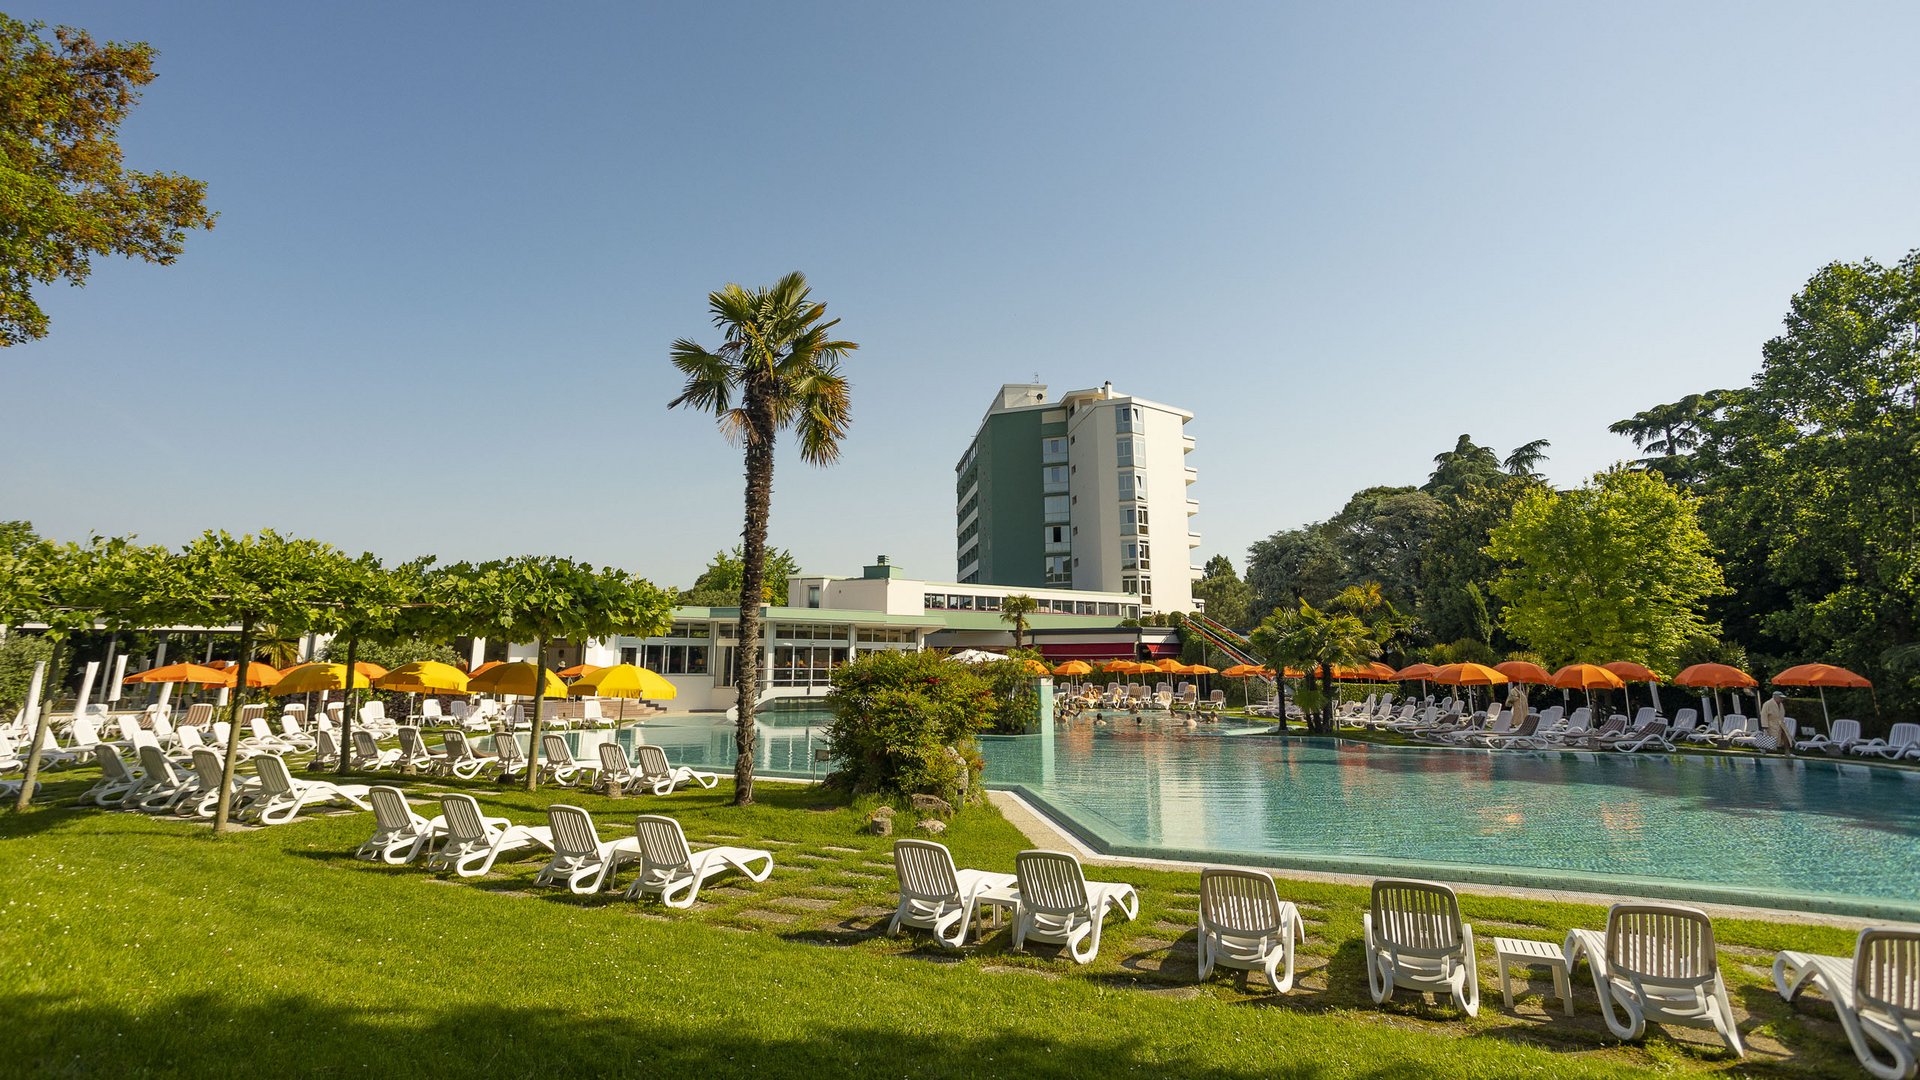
{"type": "Point", "coordinates": [1186, 444]}
{"type": "Point", "coordinates": [1193, 474]}
{"type": "Point", "coordinates": [1193, 539]}
{"type": "Point", "coordinates": [1193, 507]}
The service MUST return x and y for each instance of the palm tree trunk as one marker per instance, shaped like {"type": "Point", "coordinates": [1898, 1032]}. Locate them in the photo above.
{"type": "Point", "coordinates": [753, 572]}
{"type": "Point", "coordinates": [346, 711]}
{"type": "Point", "coordinates": [539, 698]}
{"type": "Point", "coordinates": [224, 809]}
{"type": "Point", "coordinates": [1325, 724]}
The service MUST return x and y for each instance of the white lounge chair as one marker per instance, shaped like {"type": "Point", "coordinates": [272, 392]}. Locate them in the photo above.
{"type": "Point", "coordinates": [674, 872]}
{"type": "Point", "coordinates": [936, 896]}
{"type": "Point", "coordinates": [163, 784]}
{"type": "Point", "coordinates": [1654, 736]}
{"type": "Point", "coordinates": [581, 860]}
{"type": "Point", "coordinates": [117, 779]}
{"type": "Point", "coordinates": [367, 754]}
{"type": "Point", "coordinates": [1902, 741]}
{"type": "Point", "coordinates": [1844, 735]}
{"type": "Point", "coordinates": [1245, 925]}
{"type": "Point", "coordinates": [459, 758]}
{"type": "Point", "coordinates": [208, 767]}
{"type": "Point", "coordinates": [653, 773]}
{"type": "Point", "coordinates": [1686, 724]}
{"type": "Point", "coordinates": [326, 752]}
{"type": "Point", "coordinates": [282, 797]}
{"type": "Point", "coordinates": [1876, 991]}
{"type": "Point", "coordinates": [430, 712]}
{"type": "Point", "coordinates": [1059, 906]}
{"type": "Point", "coordinates": [415, 755]}
{"type": "Point", "coordinates": [399, 834]}
{"type": "Point", "coordinates": [508, 755]}
{"type": "Point", "coordinates": [1656, 962]}
{"type": "Point", "coordinates": [1416, 940]}
{"type": "Point", "coordinates": [616, 772]}
{"type": "Point", "coordinates": [558, 763]}
{"type": "Point", "coordinates": [474, 841]}
{"type": "Point", "coordinates": [292, 735]}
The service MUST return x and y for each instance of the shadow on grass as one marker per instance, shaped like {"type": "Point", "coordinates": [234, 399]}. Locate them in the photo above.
{"type": "Point", "coordinates": [299, 1036]}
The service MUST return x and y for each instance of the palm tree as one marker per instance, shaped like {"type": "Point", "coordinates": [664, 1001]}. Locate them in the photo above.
{"type": "Point", "coordinates": [1315, 641]}
{"type": "Point", "coordinates": [1669, 434]}
{"type": "Point", "coordinates": [1526, 458]}
{"type": "Point", "coordinates": [1014, 611]}
{"type": "Point", "coordinates": [277, 647]}
{"type": "Point", "coordinates": [779, 360]}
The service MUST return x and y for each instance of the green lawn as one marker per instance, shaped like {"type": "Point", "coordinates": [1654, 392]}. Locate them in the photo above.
{"type": "Point", "coordinates": [135, 947]}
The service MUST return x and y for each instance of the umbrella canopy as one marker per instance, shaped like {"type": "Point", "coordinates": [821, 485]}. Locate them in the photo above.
{"type": "Point", "coordinates": [370, 670]}
{"type": "Point", "coordinates": [423, 677]}
{"type": "Point", "coordinates": [1633, 672]}
{"type": "Point", "coordinates": [518, 679]}
{"type": "Point", "coordinates": [1074, 667]}
{"type": "Point", "coordinates": [1119, 667]}
{"type": "Point", "coordinates": [1521, 671]}
{"type": "Point", "coordinates": [258, 674]}
{"type": "Point", "coordinates": [623, 681]}
{"type": "Point", "coordinates": [1415, 671]}
{"type": "Point", "coordinates": [484, 668]}
{"type": "Point", "coordinates": [1199, 669]}
{"type": "Point", "coordinates": [1587, 677]}
{"type": "Point", "coordinates": [1715, 677]}
{"type": "Point", "coordinates": [1820, 675]}
{"type": "Point", "coordinates": [1035, 667]}
{"type": "Point", "coordinates": [578, 670]}
{"type": "Point", "coordinates": [1248, 671]}
{"type": "Point", "coordinates": [1468, 675]}
{"type": "Point", "coordinates": [976, 656]}
{"type": "Point", "coordinates": [1166, 664]}
{"type": "Point", "coordinates": [313, 678]}
{"type": "Point", "coordinates": [179, 673]}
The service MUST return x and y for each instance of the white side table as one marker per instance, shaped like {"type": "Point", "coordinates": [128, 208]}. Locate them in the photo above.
{"type": "Point", "coordinates": [1525, 952]}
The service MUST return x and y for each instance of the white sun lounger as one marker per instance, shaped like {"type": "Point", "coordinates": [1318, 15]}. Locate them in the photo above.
{"type": "Point", "coordinates": [558, 764]}
{"type": "Point", "coordinates": [282, 797]}
{"type": "Point", "coordinates": [1656, 962]}
{"type": "Point", "coordinates": [1844, 735]}
{"type": "Point", "coordinates": [1059, 906]}
{"type": "Point", "coordinates": [1416, 940]}
{"type": "Point", "coordinates": [656, 775]}
{"type": "Point", "coordinates": [414, 754]}
{"type": "Point", "coordinates": [208, 767]}
{"type": "Point", "coordinates": [117, 780]}
{"type": "Point", "coordinates": [367, 754]}
{"type": "Point", "coordinates": [1245, 925]}
{"type": "Point", "coordinates": [399, 834]}
{"type": "Point", "coordinates": [163, 785]}
{"type": "Point", "coordinates": [1902, 741]}
{"type": "Point", "coordinates": [474, 841]}
{"type": "Point", "coordinates": [674, 872]}
{"type": "Point", "coordinates": [936, 896]}
{"type": "Point", "coordinates": [1876, 991]}
{"type": "Point", "coordinates": [459, 758]}
{"type": "Point", "coordinates": [508, 755]}
{"type": "Point", "coordinates": [581, 860]}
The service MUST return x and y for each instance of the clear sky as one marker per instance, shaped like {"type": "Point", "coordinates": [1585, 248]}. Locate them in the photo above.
{"type": "Point", "coordinates": [456, 240]}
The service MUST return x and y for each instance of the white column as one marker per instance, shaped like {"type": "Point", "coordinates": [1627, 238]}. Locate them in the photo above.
{"type": "Point", "coordinates": [160, 653]}
{"type": "Point", "coordinates": [477, 655]}
{"type": "Point", "coordinates": [166, 692]}
{"type": "Point", "coordinates": [226, 693]}
{"type": "Point", "coordinates": [32, 714]}
{"type": "Point", "coordinates": [86, 687]}
{"type": "Point", "coordinates": [119, 673]}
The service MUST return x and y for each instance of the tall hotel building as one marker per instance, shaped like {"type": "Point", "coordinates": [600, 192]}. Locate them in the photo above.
{"type": "Point", "coordinates": [1088, 492]}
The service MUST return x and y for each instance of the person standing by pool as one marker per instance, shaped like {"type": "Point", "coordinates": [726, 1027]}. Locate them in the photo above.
{"type": "Point", "coordinates": [1773, 720]}
{"type": "Point", "coordinates": [1517, 701]}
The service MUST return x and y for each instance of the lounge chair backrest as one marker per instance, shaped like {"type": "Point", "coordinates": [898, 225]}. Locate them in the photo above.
{"type": "Point", "coordinates": [323, 744]}
{"type": "Point", "coordinates": [1686, 721]}
{"type": "Point", "coordinates": [257, 727]}
{"type": "Point", "coordinates": [162, 727]}
{"type": "Point", "coordinates": [208, 767]}
{"type": "Point", "coordinates": [1240, 902]}
{"type": "Point", "coordinates": [462, 813]}
{"type": "Point", "coordinates": [459, 710]}
{"type": "Point", "coordinates": [507, 748]}
{"type": "Point", "coordinates": [1553, 716]}
{"type": "Point", "coordinates": [1220, 696]}
{"type": "Point", "coordinates": [336, 711]}
{"type": "Point", "coordinates": [1643, 718]}
{"type": "Point", "coordinates": [651, 761]}
{"type": "Point", "coordinates": [295, 710]}
{"type": "Point", "coordinates": [85, 734]}
{"type": "Point", "coordinates": [288, 725]}
{"type": "Point", "coordinates": [556, 751]}
{"type": "Point", "coordinates": [1886, 971]}
{"type": "Point", "coordinates": [390, 809]}
{"type": "Point", "coordinates": [1734, 724]}
{"type": "Point", "coordinates": [199, 714]}
{"type": "Point", "coordinates": [155, 764]}
{"type": "Point", "coordinates": [112, 765]}
{"type": "Point", "coordinates": [1421, 918]}
{"type": "Point", "coordinates": [926, 870]}
{"type": "Point", "coordinates": [411, 744]}
{"type": "Point", "coordinates": [1580, 719]}
{"type": "Point", "coordinates": [364, 744]}
{"type": "Point", "coordinates": [1661, 943]}
{"type": "Point", "coordinates": [1846, 731]}
{"type": "Point", "coordinates": [663, 846]}
{"type": "Point", "coordinates": [1903, 734]}
{"type": "Point", "coordinates": [274, 777]}
{"type": "Point", "coordinates": [1614, 726]}
{"type": "Point", "coordinates": [1528, 726]}
{"type": "Point", "coordinates": [430, 709]}
{"type": "Point", "coordinates": [590, 709]}
{"type": "Point", "coordinates": [374, 710]}
{"type": "Point", "coordinates": [613, 760]}
{"type": "Point", "coordinates": [456, 746]}
{"type": "Point", "coordinates": [573, 831]}
{"type": "Point", "coordinates": [251, 713]}
{"type": "Point", "coordinates": [1051, 882]}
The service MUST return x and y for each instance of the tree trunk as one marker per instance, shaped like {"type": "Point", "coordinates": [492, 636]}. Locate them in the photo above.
{"type": "Point", "coordinates": [42, 711]}
{"type": "Point", "coordinates": [539, 698]}
{"type": "Point", "coordinates": [1325, 724]}
{"type": "Point", "coordinates": [753, 572]}
{"type": "Point", "coordinates": [224, 809]}
{"type": "Point", "coordinates": [346, 710]}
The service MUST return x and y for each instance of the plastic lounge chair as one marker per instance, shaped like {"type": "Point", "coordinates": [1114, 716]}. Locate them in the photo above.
{"type": "Point", "coordinates": [1654, 736]}
{"type": "Point", "coordinates": [1902, 741]}
{"type": "Point", "coordinates": [674, 872]}
{"type": "Point", "coordinates": [430, 713]}
{"type": "Point", "coordinates": [558, 763]}
{"type": "Point", "coordinates": [163, 785]}
{"type": "Point", "coordinates": [399, 834]}
{"type": "Point", "coordinates": [934, 895]}
{"type": "Point", "coordinates": [581, 860]}
{"type": "Point", "coordinates": [1734, 726]}
{"type": "Point", "coordinates": [414, 754]}
{"type": "Point", "coordinates": [208, 767]}
{"type": "Point", "coordinates": [1876, 991]}
{"type": "Point", "coordinates": [117, 780]}
{"type": "Point", "coordinates": [1059, 906]}
{"type": "Point", "coordinates": [1245, 925]}
{"type": "Point", "coordinates": [291, 734]}
{"type": "Point", "coordinates": [1686, 724]}
{"type": "Point", "coordinates": [326, 752]}
{"type": "Point", "coordinates": [473, 841]}
{"type": "Point", "coordinates": [1416, 940]}
{"type": "Point", "coordinates": [1844, 735]}
{"type": "Point", "coordinates": [459, 758]}
{"type": "Point", "coordinates": [616, 772]}
{"type": "Point", "coordinates": [281, 797]}
{"type": "Point", "coordinates": [656, 775]}
{"type": "Point", "coordinates": [367, 754]}
{"type": "Point", "coordinates": [1656, 962]}
{"type": "Point", "coordinates": [507, 753]}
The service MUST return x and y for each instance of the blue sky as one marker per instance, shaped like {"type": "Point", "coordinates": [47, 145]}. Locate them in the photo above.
{"type": "Point", "coordinates": [455, 243]}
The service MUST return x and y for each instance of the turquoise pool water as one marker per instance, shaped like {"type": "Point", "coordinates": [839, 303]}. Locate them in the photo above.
{"type": "Point", "coordinates": [1813, 834]}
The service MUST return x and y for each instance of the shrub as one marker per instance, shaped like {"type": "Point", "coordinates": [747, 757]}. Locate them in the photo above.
{"type": "Point", "coordinates": [18, 654]}
{"type": "Point", "coordinates": [903, 724]}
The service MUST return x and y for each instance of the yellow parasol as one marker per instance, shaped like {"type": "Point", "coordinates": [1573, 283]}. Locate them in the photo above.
{"type": "Point", "coordinates": [624, 681]}
{"type": "Point", "coordinates": [517, 679]}
{"type": "Point", "coordinates": [1074, 667]}
{"type": "Point", "coordinates": [424, 677]}
{"type": "Point", "coordinates": [315, 678]}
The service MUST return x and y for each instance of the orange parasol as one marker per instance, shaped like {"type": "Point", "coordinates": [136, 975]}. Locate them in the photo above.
{"type": "Point", "coordinates": [1633, 672]}
{"type": "Point", "coordinates": [1119, 667]}
{"type": "Point", "coordinates": [1521, 671]}
{"type": "Point", "coordinates": [1166, 664]}
{"type": "Point", "coordinates": [1468, 675]}
{"type": "Point", "coordinates": [1423, 672]}
{"type": "Point", "coordinates": [1715, 677]}
{"type": "Point", "coordinates": [1821, 676]}
{"type": "Point", "coordinates": [1074, 667]}
{"type": "Point", "coordinates": [484, 668]}
{"type": "Point", "coordinates": [1587, 677]}
{"type": "Point", "coordinates": [577, 670]}
{"type": "Point", "coordinates": [258, 674]}
{"type": "Point", "coordinates": [178, 673]}
{"type": "Point", "coordinates": [1199, 669]}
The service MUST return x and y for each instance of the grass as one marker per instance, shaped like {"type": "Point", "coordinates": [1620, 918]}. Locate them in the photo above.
{"type": "Point", "coordinates": [143, 947]}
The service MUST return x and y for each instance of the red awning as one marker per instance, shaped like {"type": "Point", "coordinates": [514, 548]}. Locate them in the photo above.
{"type": "Point", "coordinates": [1162, 648]}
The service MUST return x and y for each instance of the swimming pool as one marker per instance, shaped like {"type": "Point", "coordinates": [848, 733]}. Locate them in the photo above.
{"type": "Point", "coordinates": [1810, 834]}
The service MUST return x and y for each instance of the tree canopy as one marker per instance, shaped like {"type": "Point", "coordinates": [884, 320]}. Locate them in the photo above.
{"type": "Point", "coordinates": [719, 584]}
{"type": "Point", "coordinates": [65, 194]}
{"type": "Point", "coordinates": [1229, 600]}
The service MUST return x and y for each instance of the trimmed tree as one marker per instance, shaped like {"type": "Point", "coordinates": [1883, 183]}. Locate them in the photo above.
{"type": "Point", "coordinates": [543, 599]}
{"type": "Point", "coordinates": [1316, 642]}
{"type": "Point", "coordinates": [781, 364]}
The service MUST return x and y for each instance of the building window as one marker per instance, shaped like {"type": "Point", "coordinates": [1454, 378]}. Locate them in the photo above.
{"type": "Point", "coordinates": [628, 655]}
{"type": "Point", "coordinates": [1130, 555]}
{"type": "Point", "coordinates": [989, 603]}
{"type": "Point", "coordinates": [959, 603]}
{"type": "Point", "coordinates": [675, 659]}
{"type": "Point", "coordinates": [1055, 538]}
{"type": "Point", "coordinates": [934, 601]}
{"type": "Point", "coordinates": [1126, 419]}
{"type": "Point", "coordinates": [813, 596]}
{"type": "Point", "coordinates": [1083, 607]}
{"type": "Point", "coordinates": [1053, 478]}
{"type": "Point", "coordinates": [1059, 570]}
{"type": "Point", "coordinates": [1133, 521]}
{"type": "Point", "coordinates": [1131, 450]}
{"type": "Point", "coordinates": [806, 665]}
{"type": "Point", "coordinates": [1057, 507]}
{"type": "Point", "coordinates": [1110, 609]}
{"type": "Point", "coordinates": [1133, 485]}
{"type": "Point", "coordinates": [1053, 450]}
